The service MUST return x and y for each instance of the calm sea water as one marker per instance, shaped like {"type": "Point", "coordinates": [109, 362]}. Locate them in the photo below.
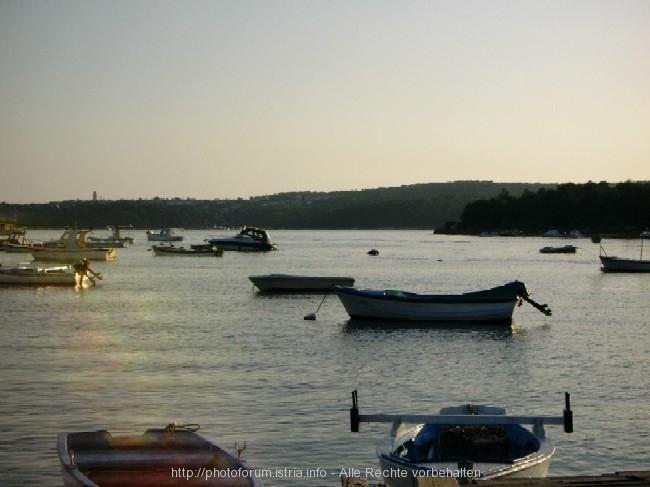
{"type": "Point", "coordinates": [165, 339]}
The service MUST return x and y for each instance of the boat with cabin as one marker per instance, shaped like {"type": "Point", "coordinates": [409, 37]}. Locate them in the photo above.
{"type": "Point", "coordinates": [115, 240]}
{"type": "Point", "coordinates": [249, 239]}
{"type": "Point", "coordinates": [71, 246]}
{"type": "Point", "coordinates": [166, 235]}
{"type": "Point", "coordinates": [16, 243]}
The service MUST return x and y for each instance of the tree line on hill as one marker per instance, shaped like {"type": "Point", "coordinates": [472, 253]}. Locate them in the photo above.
{"type": "Point", "coordinates": [454, 207]}
{"type": "Point", "coordinates": [622, 208]}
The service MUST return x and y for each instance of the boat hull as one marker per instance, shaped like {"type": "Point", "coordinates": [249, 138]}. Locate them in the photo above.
{"type": "Point", "coordinates": [31, 275]}
{"type": "Point", "coordinates": [567, 249]}
{"type": "Point", "coordinates": [242, 245]}
{"type": "Point", "coordinates": [99, 243]}
{"type": "Point", "coordinates": [396, 305]}
{"type": "Point", "coordinates": [286, 282]}
{"type": "Point", "coordinates": [12, 248]}
{"type": "Point", "coordinates": [183, 252]}
{"type": "Point", "coordinates": [404, 475]}
{"type": "Point", "coordinates": [65, 255]}
{"type": "Point", "coordinates": [164, 238]}
{"type": "Point", "coordinates": [620, 264]}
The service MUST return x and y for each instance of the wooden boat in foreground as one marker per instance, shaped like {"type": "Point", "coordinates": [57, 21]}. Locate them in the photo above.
{"type": "Point", "coordinates": [467, 442]}
{"type": "Point", "coordinates": [32, 274]}
{"type": "Point", "coordinates": [491, 305]}
{"type": "Point", "coordinates": [165, 457]}
{"type": "Point", "coordinates": [288, 282]}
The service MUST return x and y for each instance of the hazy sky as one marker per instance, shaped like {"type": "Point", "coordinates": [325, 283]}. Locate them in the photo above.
{"type": "Point", "coordinates": [233, 98]}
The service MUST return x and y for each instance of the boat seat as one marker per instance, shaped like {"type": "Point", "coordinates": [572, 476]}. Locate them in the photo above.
{"type": "Point", "coordinates": [94, 440]}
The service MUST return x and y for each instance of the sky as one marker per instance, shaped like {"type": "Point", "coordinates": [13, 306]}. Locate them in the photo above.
{"type": "Point", "coordinates": [236, 98]}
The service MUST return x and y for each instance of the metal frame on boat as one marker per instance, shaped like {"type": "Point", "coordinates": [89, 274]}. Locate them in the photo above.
{"type": "Point", "coordinates": [476, 441]}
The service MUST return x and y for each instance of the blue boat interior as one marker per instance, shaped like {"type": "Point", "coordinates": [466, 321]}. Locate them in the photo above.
{"type": "Point", "coordinates": [476, 443]}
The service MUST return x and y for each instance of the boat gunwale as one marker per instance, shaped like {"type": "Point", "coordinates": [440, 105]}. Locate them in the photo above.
{"type": "Point", "coordinates": [474, 297]}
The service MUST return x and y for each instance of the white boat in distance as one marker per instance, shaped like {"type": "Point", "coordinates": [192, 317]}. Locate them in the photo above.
{"type": "Point", "coordinates": [71, 246]}
{"type": "Point", "coordinates": [491, 305]}
{"type": "Point", "coordinates": [115, 240]}
{"type": "Point", "coordinates": [288, 282]}
{"type": "Point", "coordinates": [249, 239]}
{"type": "Point", "coordinates": [166, 235]}
{"type": "Point", "coordinates": [33, 274]}
{"type": "Point", "coordinates": [155, 458]}
{"type": "Point", "coordinates": [470, 442]}
{"type": "Point", "coordinates": [17, 243]}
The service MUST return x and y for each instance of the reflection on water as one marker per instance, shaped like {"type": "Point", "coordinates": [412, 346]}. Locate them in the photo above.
{"type": "Point", "coordinates": [496, 329]}
{"type": "Point", "coordinates": [190, 340]}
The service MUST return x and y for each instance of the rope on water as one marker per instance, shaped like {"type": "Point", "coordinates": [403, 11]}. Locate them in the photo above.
{"type": "Point", "coordinates": [312, 316]}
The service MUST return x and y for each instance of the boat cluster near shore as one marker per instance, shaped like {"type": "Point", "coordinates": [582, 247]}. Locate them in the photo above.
{"type": "Point", "coordinates": [477, 437]}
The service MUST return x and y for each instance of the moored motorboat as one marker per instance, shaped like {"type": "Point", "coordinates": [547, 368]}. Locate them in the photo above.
{"type": "Point", "coordinates": [623, 264]}
{"type": "Point", "coordinates": [249, 239]}
{"type": "Point", "coordinates": [197, 251]}
{"type": "Point", "coordinates": [71, 246]}
{"type": "Point", "coordinates": [470, 442]}
{"type": "Point", "coordinates": [166, 235]}
{"type": "Point", "coordinates": [17, 243]}
{"type": "Point", "coordinates": [165, 457]}
{"type": "Point", "coordinates": [115, 240]}
{"type": "Point", "coordinates": [33, 274]}
{"type": "Point", "coordinates": [288, 282]}
{"type": "Point", "coordinates": [491, 305]}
